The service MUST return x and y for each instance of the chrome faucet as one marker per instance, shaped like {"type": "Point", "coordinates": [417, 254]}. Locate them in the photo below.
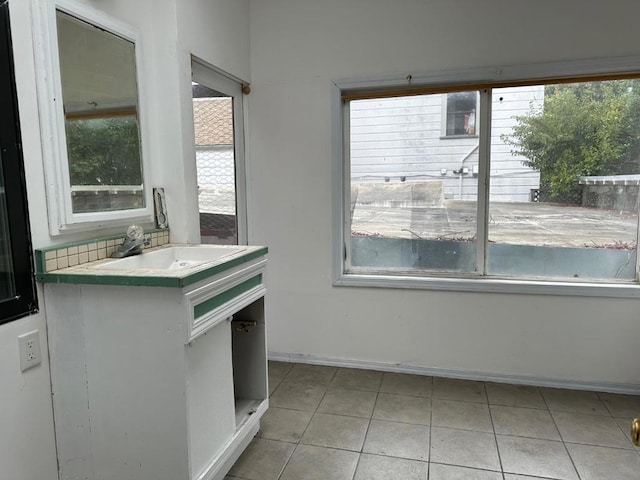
{"type": "Point", "coordinates": [133, 243]}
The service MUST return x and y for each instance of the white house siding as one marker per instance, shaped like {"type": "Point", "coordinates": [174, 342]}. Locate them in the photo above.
{"type": "Point", "coordinates": [510, 179]}
{"type": "Point", "coordinates": [216, 179]}
{"type": "Point", "coordinates": [216, 167]}
{"type": "Point", "coordinates": [396, 138]}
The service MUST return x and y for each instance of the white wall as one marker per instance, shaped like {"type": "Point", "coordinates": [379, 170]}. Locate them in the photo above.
{"type": "Point", "coordinates": [27, 445]}
{"type": "Point", "coordinates": [217, 33]}
{"type": "Point", "coordinates": [297, 48]}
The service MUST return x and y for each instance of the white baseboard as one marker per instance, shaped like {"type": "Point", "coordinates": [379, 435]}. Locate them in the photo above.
{"type": "Point", "coordinates": [462, 374]}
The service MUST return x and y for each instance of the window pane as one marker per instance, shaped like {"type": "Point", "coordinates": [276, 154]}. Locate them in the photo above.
{"type": "Point", "coordinates": [7, 287]}
{"type": "Point", "coordinates": [104, 163]}
{"type": "Point", "coordinates": [99, 89]}
{"type": "Point", "coordinates": [461, 113]}
{"type": "Point", "coordinates": [215, 161]}
{"type": "Point", "coordinates": [413, 193]}
{"type": "Point", "coordinates": [565, 170]}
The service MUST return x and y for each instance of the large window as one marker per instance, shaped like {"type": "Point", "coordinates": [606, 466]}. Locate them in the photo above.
{"type": "Point", "coordinates": [546, 189]}
{"type": "Point", "coordinates": [17, 288]}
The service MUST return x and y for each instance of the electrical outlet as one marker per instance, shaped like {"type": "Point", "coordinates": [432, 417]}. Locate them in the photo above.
{"type": "Point", "coordinates": [29, 345]}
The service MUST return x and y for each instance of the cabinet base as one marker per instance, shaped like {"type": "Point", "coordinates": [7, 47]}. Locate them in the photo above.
{"type": "Point", "coordinates": [220, 466]}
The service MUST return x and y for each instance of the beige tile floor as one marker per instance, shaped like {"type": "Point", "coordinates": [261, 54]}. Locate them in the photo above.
{"type": "Point", "coordinates": [327, 423]}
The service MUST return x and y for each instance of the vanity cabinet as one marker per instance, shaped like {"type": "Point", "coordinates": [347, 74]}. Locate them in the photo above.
{"type": "Point", "coordinates": [157, 382]}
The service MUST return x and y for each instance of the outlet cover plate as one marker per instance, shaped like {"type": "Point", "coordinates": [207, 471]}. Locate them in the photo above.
{"type": "Point", "coordinates": [29, 346]}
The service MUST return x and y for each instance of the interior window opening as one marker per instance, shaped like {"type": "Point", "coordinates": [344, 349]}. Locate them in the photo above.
{"type": "Point", "coordinates": [102, 131]}
{"type": "Point", "coordinates": [215, 165]}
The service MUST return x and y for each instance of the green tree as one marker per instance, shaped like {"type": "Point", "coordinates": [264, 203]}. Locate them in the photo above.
{"type": "Point", "coordinates": [590, 128]}
{"type": "Point", "coordinates": [104, 151]}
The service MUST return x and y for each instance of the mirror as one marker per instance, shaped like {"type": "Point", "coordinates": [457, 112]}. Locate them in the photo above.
{"type": "Point", "coordinates": [94, 139]}
{"type": "Point", "coordinates": [99, 92]}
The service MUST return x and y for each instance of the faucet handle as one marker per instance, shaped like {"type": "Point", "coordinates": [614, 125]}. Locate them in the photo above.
{"type": "Point", "coordinates": [135, 232]}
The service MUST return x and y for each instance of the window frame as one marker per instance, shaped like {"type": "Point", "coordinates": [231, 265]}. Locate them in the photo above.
{"type": "Point", "coordinates": [443, 82]}
{"type": "Point", "coordinates": [25, 300]}
{"type": "Point", "coordinates": [211, 77]}
{"type": "Point", "coordinates": [61, 217]}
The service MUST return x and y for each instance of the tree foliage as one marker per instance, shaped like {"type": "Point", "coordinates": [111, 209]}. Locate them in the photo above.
{"type": "Point", "coordinates": [590, 128]}
{"type": "Point", "coordinates": [104, 151]}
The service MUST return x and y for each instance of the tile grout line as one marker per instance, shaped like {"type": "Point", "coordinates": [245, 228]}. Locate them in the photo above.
{"type": "Point", "coordinates": [366, 434]}
{"type": "Point", "coordinates": [298, 443]}
{"type": "Point", "coordinates": [493, 427]}
{"type": "Point", "coordinates": [627, 434]}
{"type": "Point", "coordinates": [544, 399]}
{"type": "Point", "coordinates": [604, 404]}
{"type": "Point", "coordinates": [368, 426]}
{"type": "Point", "coordinates": [368, 423]}
{"type": "Point", "coordinates": [430, 430]}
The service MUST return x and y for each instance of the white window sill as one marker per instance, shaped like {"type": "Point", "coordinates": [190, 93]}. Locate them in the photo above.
{"type": "Point", "coordinates": [491, 285]}
{"type": "Point", "coordinates": [456, 137]}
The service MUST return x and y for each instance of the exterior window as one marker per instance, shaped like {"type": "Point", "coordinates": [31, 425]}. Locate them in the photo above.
{"type": "Point", "coordinates": [461, 113]}
{"type": "Point", "coordinates": [548, 191]}
{"type": "Point", "coordinates": [17, 288]}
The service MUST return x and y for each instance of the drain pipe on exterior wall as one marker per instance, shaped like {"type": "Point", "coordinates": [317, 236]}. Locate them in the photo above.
{"type": "Point", "coordinates": [461, 171]}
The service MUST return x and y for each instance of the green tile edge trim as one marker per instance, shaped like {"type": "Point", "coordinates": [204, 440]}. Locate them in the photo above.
{"type": "Point", "coordinates": [40, 262]}
{"type": "Point", "coordinates": [41, 253]}
{"type": "Point", "coordinates": [117, 280]}
{"type": "Point", "coordinates": [214, 270]}
{"type": "Point", "coordinates": [224, 297]}
{"type": "Point", "coordinates": [155, 281]}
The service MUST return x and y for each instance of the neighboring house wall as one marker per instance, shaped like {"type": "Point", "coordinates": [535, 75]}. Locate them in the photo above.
{"type": "Point", "coordinates": [216, 179]}
{"type": "Point", "coordinates": [215, 166]}
{"type": "Point", "coordinates": [403, 139]}
{"type": "Point", "coordinates": [215, 160]}
{"type": "Point", "coordinates": [511, 180]}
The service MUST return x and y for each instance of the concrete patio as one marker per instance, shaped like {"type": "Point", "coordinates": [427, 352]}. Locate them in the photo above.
{"type": "Point", "coordinates": [540, 224]}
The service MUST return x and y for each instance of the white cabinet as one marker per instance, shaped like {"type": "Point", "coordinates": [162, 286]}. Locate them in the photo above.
{"type": "Point", "coordinates": [153, 382]}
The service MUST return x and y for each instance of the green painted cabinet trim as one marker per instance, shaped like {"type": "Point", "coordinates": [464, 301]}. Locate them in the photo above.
{"type": "Point", "coordinates": [215, 302]}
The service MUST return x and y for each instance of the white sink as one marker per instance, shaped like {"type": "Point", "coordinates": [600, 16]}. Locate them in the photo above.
{"type": "Point", "coordinates": [174, 258]}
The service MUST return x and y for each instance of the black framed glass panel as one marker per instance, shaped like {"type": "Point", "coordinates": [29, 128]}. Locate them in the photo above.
{"type": "Point", "coordinates": [17, 283]}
